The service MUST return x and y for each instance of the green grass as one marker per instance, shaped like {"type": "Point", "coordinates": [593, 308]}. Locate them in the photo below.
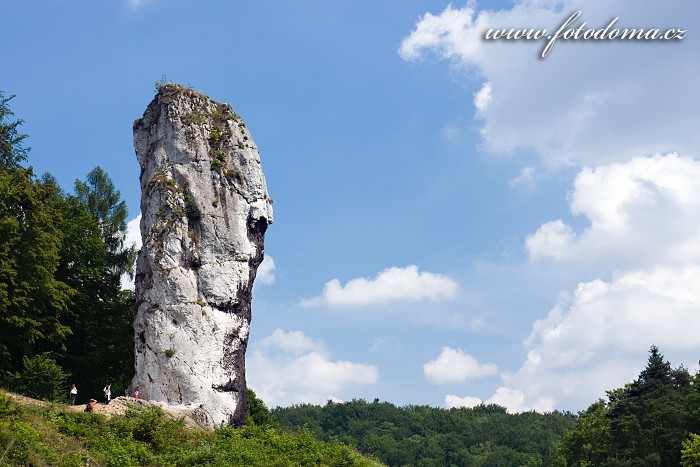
{"type": "Point", "coordinates": [55, 436]}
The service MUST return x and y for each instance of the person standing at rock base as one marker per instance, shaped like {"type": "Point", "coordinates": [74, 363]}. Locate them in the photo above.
{"type": "Point", "coordinates": [73, 394]}
{"type": "Point", "coordinates": [108, 393]}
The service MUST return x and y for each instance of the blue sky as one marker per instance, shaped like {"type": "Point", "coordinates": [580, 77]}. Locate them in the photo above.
{"type": "Point", "coordinates": [456, 220]}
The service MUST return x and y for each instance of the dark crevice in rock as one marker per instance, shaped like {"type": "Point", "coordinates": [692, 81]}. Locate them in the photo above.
{"type": "Point", "coordinates": [235, 347]}
{"type": "Point", "coordinates": [229, 386]}
{"type": "Point", "coordinates": [234, 363]}
{"type": "Point", "coordinates": [256, 235]}
{"type": "Point", "coordinates": [230, 308]}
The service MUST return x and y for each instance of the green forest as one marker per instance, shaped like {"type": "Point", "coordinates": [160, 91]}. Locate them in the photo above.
{"type": "Point", "coordinates": [652, 421]}
{"type": "Point", "coordinates": [419, 435]}
{"type": "Point", "coordinates": [64, 319]}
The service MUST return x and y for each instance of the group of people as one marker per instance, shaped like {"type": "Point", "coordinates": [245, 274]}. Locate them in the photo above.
{"type": "Point", "coordinates": [91, 404]}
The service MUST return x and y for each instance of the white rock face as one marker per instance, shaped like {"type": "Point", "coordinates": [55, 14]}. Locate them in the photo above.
{"type": "Point", "coordinates": [205, 209]}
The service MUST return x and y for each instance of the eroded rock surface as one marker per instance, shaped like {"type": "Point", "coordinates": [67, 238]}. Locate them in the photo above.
{"type": "Point", "coordinates": [205, 209]}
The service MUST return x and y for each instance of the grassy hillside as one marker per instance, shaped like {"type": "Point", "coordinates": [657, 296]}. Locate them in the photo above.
{"type": "Point", "coordinates": [38, 434]}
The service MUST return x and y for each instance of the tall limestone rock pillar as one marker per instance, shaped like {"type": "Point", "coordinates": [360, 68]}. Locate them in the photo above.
{"type": "Point", "coordinates": [205, 209]}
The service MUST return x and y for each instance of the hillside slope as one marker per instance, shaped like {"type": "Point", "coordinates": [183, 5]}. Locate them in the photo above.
{"type": "Point", "coordinates": [128, 434]}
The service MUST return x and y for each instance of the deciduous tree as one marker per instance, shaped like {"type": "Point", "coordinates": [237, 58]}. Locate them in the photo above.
{"type": "Point", "coordinates": [33, 302]}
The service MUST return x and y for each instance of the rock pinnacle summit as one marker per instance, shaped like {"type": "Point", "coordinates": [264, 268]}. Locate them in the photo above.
{"type": "Point", "coordinates": [205, 210]}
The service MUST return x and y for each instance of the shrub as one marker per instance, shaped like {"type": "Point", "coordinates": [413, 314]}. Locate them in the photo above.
{"type": "Point", "coordinates": [42, 378]}
{"type": "Point", "coordinates": [218, 161]}
{"type": "Point", "coordinates": [161, 83]}
{"type": "Point", "coordinates": [214, 136]}
{"type": "Point", "coordinates": [195, 117]}
{"type": "Point", "coordinates": [257, 410]}
{"type": "Point", "coordinates": [191, 208]}
{"type": "Point", "coordinates": [690, 455]}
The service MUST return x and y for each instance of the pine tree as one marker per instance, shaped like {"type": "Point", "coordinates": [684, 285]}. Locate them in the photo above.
{"type": "Point", "coordinates": [644, 424]}
{"type": "Point", "coordinates": [12, 153]}
{"type": "Point", "coordinates": [103, 201]}
{"type": "Point", "coordinates": [93, 258]}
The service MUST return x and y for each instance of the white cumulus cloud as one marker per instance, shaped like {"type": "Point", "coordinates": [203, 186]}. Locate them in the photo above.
{"type": "Point", "coordinates": [266, 271]}
{"type": "Point", "coordinates": [455, 366]}
{"type": "Point", "coordinates": [133, 237]}
{"type": "Point", "coordinates": [452, 401]}
{"type": "Point", "coordinates": [643, 232]}
{"type": "Point", "coordinates": [596, 338]}
{"type": "Point", "coordinates": [291, 342]}
{"type": "Point", "coordinates": [288, 367]}
{"type": "Point", "coordinates": [630, 121]}
{"type": "Point", "coordinates": [453, 33]}
{"type": "Point", "coordinates": [392, 284]}
{"type": "Point", "coordinates": [483, 97]}
{"type": "Point", "coordinates": [643, 211]}
{"type": "Point", "coordinates": [512, 399]}
{"type": "Point", "coordinates": [626, 103]}
{"type": "Point", "coordinates": [643, 220]}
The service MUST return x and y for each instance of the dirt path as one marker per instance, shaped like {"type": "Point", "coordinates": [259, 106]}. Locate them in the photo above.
{"type": "Point", "coordinates": [118, 406]}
